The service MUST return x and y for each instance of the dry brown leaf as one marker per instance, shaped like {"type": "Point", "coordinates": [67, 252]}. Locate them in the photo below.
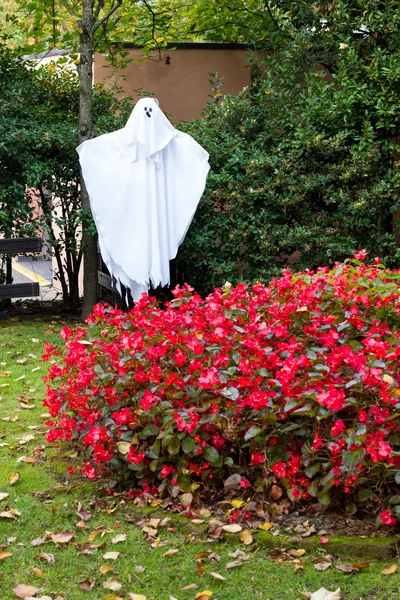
{"type": "Point", "coordinates": [322, 566]}
{"type": "Point", "coordinates": [238, 554]}
{"type": "Point", "coordinates": [86, 584]}
{"type": "Point", "coordinates": [154, 522]}
{"type": "Point", "coordinates": [3, 495]}
{"type": "Point", "coordinates": [112, 584]}
{"type": "Point", "coordinates": [265, 526]}
{"type": "Point", "coordinates": [345, 568]}
{"type": "Point", "coordinates": [22, 590]}
{"type": "Point", "coordinates": [191, 586]}
{"type": "Point", "coordinates": [233, 528]}
{"type": "Point", "coordinates": [13, 513]}
{"type": "Point", "coordinates": [200, 569]}
{"type": "Point", "coordinates": [36, 571]}
{"type": "Point", "coordinates": [106, 569]}
{"type": "Point", "coordinates": [389, 570]}
{"type": "Point", "coordinates": [39, 541]}
{"type": "Point", "coordinates": [186, 499]}
{"type": "Point", "coordinates": [246, 537]}
{"type": "Point", "coordinates": [13, 478]}
{"type": "Point", "coordinates": [47, 556]}
{"type": "Point", "coordinates": [310, 531]}
{"type": "Point", "coordinates": [234, 564]}
{"type": "Point", "coordinates": [111, 555]}
{"type": "Point", "coordinates": [203, 595]}
{"type": "Point", "coordinates": [276, 492]}
{"type": "Point", "coordinates": [363, 565]}
{"type": "Point", "coordinates": [217, 576]}
{"type": "Point", "coordinates": [4, 555]}
{"type": "Point", "coordinates": [119, 538]}
{"type": "Point", "coordinates": [133, 596]}
{"type": "Point", "coordinates": [297, 553]}
{"type": "Point", "coordinates": [171, 552]}
{"type": "Point", "coordinates": [61, 538]}
{"type": "Point", "coordinates": [139, 569]}
{"type": "Point", "coordinates": [123, 447]}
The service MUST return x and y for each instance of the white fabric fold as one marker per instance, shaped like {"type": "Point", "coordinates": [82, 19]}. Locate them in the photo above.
{"type": "Point", "coordinates": [144, 183]}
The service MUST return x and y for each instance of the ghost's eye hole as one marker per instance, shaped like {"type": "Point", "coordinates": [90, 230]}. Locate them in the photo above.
{"type": "Point", "coordinates": [145, 108]}
{"type": "Point", "coordinates": [150, 109]}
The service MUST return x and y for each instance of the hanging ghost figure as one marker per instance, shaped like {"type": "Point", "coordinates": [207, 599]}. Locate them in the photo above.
{"type": "Point", "coordinates": [144, 183]}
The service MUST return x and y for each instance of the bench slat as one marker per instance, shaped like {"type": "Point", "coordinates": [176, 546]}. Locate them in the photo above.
{"type": "Point", "coordinates": [19, 290]}
{"type": "Point", "coordinates": [20, 245]}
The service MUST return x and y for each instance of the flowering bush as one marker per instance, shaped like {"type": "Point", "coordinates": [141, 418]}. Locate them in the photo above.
{"type": "Point", "coordinates": [296, 382]}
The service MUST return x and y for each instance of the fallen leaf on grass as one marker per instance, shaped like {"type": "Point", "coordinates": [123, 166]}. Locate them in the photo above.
{"type": "Point", "coordinates": [246, 537]}
{"type": "Point", "coordinates": [62, 538]}
{"type": "Point", "coordinates": [265, 526]}
{"type": "Point", "coordinates": [36, 571]}
{"type": "Point", "coordinates": [297, 553]}
{"type": "Point", "coordinates": [47, 556]}
{"type": "Point", "coordinates": [13, 478]}
{"type": "Point", "coordinates": [345, 568]}
{"type": "Point", "coordinates": [238, 554]}
{"type": "Point", "coordinates": [203, 595]}
{"type": "Point", "coordinates": [171, 552]}
{"type": "Point", "coordinates": [86, 584]}
{"type": "Point", "coordinates": [136, 596]}
{"type": "Point", "coordinates": [238, 503]}
{"type": "Point", "coordinates": [111, 555]}
{"type": "Point", "coordinates": [234, 564]}
{"type": "Point", "coordinates": [112, 584]}
{"type": "Point", "coordinates": [217, 576]}
{"type": "Point", "coordinates": [119, 538]}
{"type": "Point", "coordinates": [3, 495]}
{"type": "Point", "coordinates": [106, 569]}
{"type": "Point", "coordinates": [23, 590]}
{"type": "Point", "coordinates": [322, 566]}
{"type": "Point", "coordinates": [389, 570]}
{"type": "Point", "coordinates": [4, 555]}
{"type": "Point", "coordinates": [139, 569]}
{"type": "Point", "coordinates": [39, 541]}
{"type": "Point", "coordinates": [233, 528]}
{"type": "Point", "coordinates": [359, 566]}
{"type": "Point", "coordinates": [310, 531]}
{"type": "Point", "coordinates": [191, 586]}
{"type": "Point", "coordinates": [186, 499]}
{"type": "Point", "coordinates": [13, 513]}
{"type": "Point", "coordinates": [323, 594]}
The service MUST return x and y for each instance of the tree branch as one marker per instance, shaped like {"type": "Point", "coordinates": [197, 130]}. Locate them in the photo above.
{"type": "Point", "coordinates": [100, 6]}
{"type": "Point", "coordinates": [67, 6]}
{"type": "Point", "coordinates": [107, 16]}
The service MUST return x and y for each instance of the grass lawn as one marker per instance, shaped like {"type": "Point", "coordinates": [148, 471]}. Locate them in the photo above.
{"type": "Point", "coordinates": [139, 568]}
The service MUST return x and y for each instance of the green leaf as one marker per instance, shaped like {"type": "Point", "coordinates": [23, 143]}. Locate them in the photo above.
{"type": "Point", "coordinates": [148, 431]}
{"type": "Point", "coordinates": [188, 445]}
{"type": "Point", "coordinates": [352, 458]}
{"type": "Point", "coordinates": [174, 445]}
{"type": "Point", "coordinates": [252, 432]}
{"type": "Point", "coordinates": [211, 455]}
{"type": "Point", "coordinates": [324, 498]}
{"type": "Point", "coordinates": [310, 471]}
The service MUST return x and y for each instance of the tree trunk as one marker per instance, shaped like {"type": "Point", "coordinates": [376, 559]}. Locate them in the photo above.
{"type": "Point", "coordinates": [90, 280]}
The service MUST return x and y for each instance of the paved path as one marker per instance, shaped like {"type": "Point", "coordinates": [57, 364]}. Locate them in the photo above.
{"type": "Point", "coordinates": [28, 269]}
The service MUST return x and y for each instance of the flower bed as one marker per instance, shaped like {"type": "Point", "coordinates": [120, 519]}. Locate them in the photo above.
{"type": "Point", "coordinates": [295, 383]}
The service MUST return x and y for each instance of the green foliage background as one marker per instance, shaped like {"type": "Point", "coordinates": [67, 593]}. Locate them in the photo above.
{"type": "Point", "coordinates": [305, 164]}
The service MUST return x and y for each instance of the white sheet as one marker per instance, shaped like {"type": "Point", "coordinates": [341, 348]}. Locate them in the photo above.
{"type": "Point", "coordinates": [144, 183]}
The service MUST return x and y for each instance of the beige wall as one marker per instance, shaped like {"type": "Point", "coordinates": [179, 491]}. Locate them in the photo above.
{"type": "Point", "coordinates": [182, 86]}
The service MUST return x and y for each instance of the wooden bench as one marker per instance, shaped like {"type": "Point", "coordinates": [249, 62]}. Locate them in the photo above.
{"type": "Point", "coordinates": [18, 246]}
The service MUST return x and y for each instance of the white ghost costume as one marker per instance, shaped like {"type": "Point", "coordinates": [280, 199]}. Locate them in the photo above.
{"type": "Point", "coordinates": [144, 184]}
